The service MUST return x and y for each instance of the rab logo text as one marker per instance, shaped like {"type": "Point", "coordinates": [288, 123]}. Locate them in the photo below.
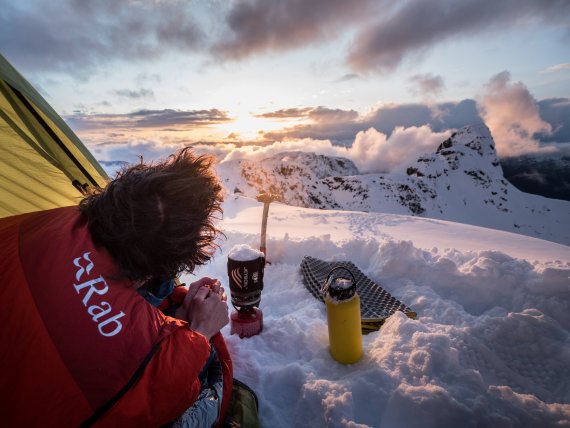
{"type": "Point", "coordinates": [100, 311]}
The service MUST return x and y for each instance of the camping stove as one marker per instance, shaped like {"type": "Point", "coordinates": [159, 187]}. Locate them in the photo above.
{"type": "Point", "coordinates": [245, 272]}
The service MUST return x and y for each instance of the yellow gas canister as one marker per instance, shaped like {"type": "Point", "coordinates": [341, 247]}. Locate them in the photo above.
{"type": "Point", "coordinates": [343, 316]}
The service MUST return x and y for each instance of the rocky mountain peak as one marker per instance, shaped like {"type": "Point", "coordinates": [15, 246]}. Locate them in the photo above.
{"type": "Point", "coordinates": [291, 176]}
{"type": "Point", "coordinates": [470, 150]}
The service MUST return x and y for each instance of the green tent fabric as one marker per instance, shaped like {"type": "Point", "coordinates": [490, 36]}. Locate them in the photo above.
{"type": "Point", "coordinates": [43, 164]}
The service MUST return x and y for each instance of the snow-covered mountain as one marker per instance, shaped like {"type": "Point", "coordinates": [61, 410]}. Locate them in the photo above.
{"type": "Point", "coordinates": [295, 177]}
{"type": "Point", "coordinates": [462, 181]}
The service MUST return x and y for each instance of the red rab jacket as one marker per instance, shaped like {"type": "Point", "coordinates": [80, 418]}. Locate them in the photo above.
{"type": "Point", "coordinates": [76, 338]}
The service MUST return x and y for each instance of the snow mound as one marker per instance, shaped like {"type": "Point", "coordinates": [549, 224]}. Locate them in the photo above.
{"type": "Point", "coordinates": [489, 347]}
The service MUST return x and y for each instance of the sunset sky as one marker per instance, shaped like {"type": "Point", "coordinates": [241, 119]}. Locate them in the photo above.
{"type": "Point", "coordinates": [150, 76]}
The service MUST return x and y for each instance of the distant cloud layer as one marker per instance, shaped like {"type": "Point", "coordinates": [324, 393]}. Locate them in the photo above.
{"type": "Point", "coordinates": [558, 67]}
{"type": "Point", "coordinates": [257, 26]}
{"type": "Point", "coordinates": [135, 94]}
{"type": "Point", "coordinates": [416, 26]}
{"type": "Point", "coordinates": [317, 114]}
{"type": "Point", "coordinates": [341, 126]}
{"type": "Point", "coordinates": [36, 34]}
{"type": "Point", "coordinates": [167, 118]}
{"type": "Point", "coordinates": [426, 85]}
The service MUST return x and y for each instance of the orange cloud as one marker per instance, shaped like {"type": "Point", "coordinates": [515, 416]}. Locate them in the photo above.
{"type": "Point", "coordinates": [512, 115]}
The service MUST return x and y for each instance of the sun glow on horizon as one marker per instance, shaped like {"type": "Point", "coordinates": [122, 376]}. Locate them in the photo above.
{"type": "Point", "coordinates": [249, 127]}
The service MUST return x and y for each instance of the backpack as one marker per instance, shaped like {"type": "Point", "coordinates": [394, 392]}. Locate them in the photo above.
{"type": "Point", "coordinates": [243, 408]}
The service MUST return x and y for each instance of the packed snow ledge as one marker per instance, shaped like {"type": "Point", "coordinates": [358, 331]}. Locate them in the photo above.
{"type": "Point", "coordinates": [490, 345]}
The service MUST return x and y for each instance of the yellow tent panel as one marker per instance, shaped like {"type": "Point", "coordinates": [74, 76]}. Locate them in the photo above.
{"type": "Point", "coordinates": [43, 164]}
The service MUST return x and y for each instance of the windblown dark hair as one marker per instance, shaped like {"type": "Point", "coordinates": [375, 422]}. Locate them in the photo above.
{"type": "Point", "coordinates": [157, 219]}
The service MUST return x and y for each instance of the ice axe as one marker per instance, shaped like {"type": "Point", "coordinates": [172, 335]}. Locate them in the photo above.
{"type": "Point", "coordinates": [266, 198]}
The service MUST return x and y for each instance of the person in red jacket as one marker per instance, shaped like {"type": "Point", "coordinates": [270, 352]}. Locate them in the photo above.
{"type": "Point", "coordinates": [83, 342]}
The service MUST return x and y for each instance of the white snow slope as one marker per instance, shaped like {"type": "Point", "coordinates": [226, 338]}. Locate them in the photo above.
{"type": "Point", "coordinates": [462, 182]}
{"type": "Point", "coordinates": [490, 346]}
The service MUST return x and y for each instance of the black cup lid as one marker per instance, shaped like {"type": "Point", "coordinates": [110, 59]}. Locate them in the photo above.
{"type": "Point", "coordinates": [342, 288]}
{"type": "Point", "coordinates": [339, 286]}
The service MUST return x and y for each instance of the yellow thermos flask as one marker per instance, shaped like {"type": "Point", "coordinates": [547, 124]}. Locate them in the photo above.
{"type": "Point", "coordinates": [343, 315]}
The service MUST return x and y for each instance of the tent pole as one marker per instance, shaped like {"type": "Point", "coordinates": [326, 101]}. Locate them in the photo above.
{"type": "Point", "coordinates": [53, 135]}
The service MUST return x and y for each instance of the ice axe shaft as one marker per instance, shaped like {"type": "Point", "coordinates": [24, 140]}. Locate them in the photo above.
{"type": "Point", "coordinates": [266, 198]}
{"type": "Point", "coordinates": [263, 243]}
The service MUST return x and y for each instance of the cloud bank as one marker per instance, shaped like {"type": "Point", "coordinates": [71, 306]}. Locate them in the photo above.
{"type": "Point", "coordinates": [372, 151]}
{"type": "Point", "coordinates": [512, 115]}
{"type": "Point", "coordinates": [518, 122]}
{"type": "Point", "coordinates": [379, 141]}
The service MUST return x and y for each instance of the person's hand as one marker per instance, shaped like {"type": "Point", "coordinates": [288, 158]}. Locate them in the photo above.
{"type": "Point", "coordinates": [211, 283]}
{"type": "Point", "coordinates": [205, 307]}
{"type": "Point", "coordinates": [207, 312]}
